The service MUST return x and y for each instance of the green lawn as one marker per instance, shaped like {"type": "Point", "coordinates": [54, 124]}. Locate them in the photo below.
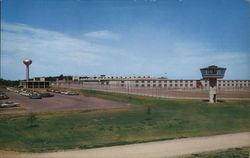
{"type": "Point", "coordinates": [154, 119]}
{"type": "Point", "coordinates": [230, 153]}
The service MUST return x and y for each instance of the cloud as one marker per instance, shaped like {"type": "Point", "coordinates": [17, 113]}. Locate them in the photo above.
{"type": "Point", "coordinates": [52, 52]}
{"type": "Point", "coordinates": [103, 34]}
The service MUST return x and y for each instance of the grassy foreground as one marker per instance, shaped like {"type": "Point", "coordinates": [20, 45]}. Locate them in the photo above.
{"type": "Point", "coordinates": [230, 153]}
{"type": "Point", "coordinates": [155, 119]}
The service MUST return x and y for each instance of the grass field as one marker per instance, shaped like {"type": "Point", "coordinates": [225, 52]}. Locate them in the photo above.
{"type": "Point", "coordinates": [230, 153]}
{"type": "Point", "coordinates": [154, 119]}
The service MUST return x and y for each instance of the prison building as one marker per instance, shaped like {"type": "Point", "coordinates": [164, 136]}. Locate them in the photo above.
{"type": "Point", "coordinates": [149, 82]}
{"type": "Point", "coordinates": [37, 82]}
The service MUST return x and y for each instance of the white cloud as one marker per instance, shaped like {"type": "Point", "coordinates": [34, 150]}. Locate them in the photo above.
{"type": "Point", "coordinates": [53, 52]}
{"type": "Point", "coordinates": [103, 34]}
{"type": "Point", "coordinates": [186, 58]}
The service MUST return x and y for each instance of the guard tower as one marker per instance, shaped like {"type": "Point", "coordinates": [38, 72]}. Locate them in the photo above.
{"type": "Point", "coordinates": [212, 73]}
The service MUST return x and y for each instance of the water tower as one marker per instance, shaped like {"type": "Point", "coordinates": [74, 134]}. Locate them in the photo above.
{"type": "Point", "coordinates": [27, 62]}
{"type": "Point", "coordinates": [212, 73]}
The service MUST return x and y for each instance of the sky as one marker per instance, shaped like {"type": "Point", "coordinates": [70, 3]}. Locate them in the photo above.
{"type": "Point", "coordinates": [158, 38]}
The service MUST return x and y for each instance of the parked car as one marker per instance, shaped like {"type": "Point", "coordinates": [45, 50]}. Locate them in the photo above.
{"type": "Point", "coordinates": [35, 96]}
{"type": "Point", "coordinates": [56, 91]}
{"type": "Point", "coordinates": [49, 90]}
{"type": "Point", "coordinates": [46, 94]}
{"type": "Point", "coordinates": [9, 104]}
{"type": "Point", "coordinates": [25, 94]}
{"type": "Point", "coordinates": [72, 93]}
{"type": "Point", "coordinates": [16, 91]}
{"type": "Point", "coordinates": [64, 92]}
{"type": "Point", "coordinates": [3, 96]}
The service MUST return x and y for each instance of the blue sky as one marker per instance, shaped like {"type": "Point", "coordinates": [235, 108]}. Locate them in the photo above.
{"type": "Point", "coordinates": [172, 38]}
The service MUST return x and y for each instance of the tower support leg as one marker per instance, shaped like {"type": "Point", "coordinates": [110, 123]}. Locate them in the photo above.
{"type": "Point", "coordinates": [212, 90]}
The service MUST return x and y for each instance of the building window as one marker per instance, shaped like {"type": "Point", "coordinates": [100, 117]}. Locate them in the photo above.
{"type": "Point", "coordinates": [165, 85]}
{"type": "Point", "coordinates": [122, 85]}
{"type": "Point", "coordinates": [136, 81]}
{"type": "Point", "coordinates": [181, 85]}
{"type": "Point", "coordinates": [142, 85]}
{"type": "Point", "coordinates": [159, 85]}
{"type": "Point", "coordinates": [148, 81]}
{"type": "Point", "coordinates": [170, 81]}
{"type": "Point", "coordinates": [122, 81]}
{"type": "Point", "coordinates": [165, 81]}
{"type": "Point", "coordinates": [191, 85]}
{"type": "Point", "coordinates": [148, 85]}
{"type": "Point", "coordinates": [154, 85]}
{"type": "Point", "coordinates": [154, 81]}
{"type": "Point", "coordinates": [175, 85]}
{"type": "Point", "coordinates": [136, 85]}
{"type": "Point", "coordinates": [186, 85]}
{"type": "Point", "coordinates": [142, 81]}
{"type": "Point", "coordinates": [170, 85]}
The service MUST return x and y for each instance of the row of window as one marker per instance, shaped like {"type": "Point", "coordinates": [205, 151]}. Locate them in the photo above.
{"type": "Point", "coordinates": [232, 81]}
{"type": "Point", "coordinates": [230, 85]}
{"type": "Point", "coordinates": [181, 85]}
{"type": "Point", "coordinates": [234, 85]}
{"type": "Point", "coordinates": [154, 81]}
{"type": "Point", "coordinates": [181, 81]}
{"type": "Point", "coordinates": [213, 71]}
{"type": "Point", "coordinates": [160, 85]}
{"type": "Point", "coordinates": [185, 85]}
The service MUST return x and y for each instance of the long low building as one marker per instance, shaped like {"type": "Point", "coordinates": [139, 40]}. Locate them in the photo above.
{"type": "Point", "coordinates": [147, 81]}
{"type": "Point", "coordinates": [37, 82]}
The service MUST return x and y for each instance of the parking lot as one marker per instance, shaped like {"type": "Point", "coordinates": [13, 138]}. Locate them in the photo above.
{"type": "Point", "coordinates": [58, 103]}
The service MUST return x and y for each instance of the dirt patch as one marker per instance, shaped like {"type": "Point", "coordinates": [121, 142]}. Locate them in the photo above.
{"type": "Point", "coordinates": [172, 93]}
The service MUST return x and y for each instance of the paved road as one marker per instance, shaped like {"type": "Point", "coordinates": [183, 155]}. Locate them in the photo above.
{"type": "Point", "coordinates": [158, 149]}
{"type": "Point", "coordinates": [60, 103]}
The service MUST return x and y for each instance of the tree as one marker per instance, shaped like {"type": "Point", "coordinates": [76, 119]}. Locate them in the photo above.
{"type": "Point", "coordinates": [32, 120]}
{"type": "Point", "coordinates": [61, 77]}
{"type": "Point", "coordinates": [148, 110]}
{"type": "Point", "coordinates": [4, 82]}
